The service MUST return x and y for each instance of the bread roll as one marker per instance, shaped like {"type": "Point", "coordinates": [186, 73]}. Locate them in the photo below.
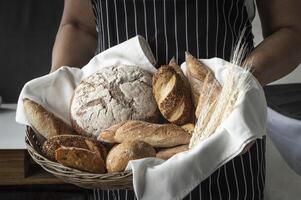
{"type": "Point", "coordinates": [81, 159]}
{"type": "Point", "coordinates": [188, 128]}
{"type": "Point", "coordinates": [121, 154]}
{"type": "Point", "coordinates": [112, 95]}
{"type": "Point", "coordinates": [157, 135]}
{"type": "Point", "coordinates": [202, 81]}
{"type": "Point", "coordinates": [172, 94]}
{"type": "Point", "coordinates": [108, 134]}
{"type": "Point", "coordinates": [46, 123]}
{"type": "Point", "coordinates": [54, 143]}
{"type": "Point", "coordinates": [169, 152]}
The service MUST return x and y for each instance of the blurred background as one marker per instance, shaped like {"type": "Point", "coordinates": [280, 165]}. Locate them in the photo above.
{"type": "Point", "coordinates": [27, 34]}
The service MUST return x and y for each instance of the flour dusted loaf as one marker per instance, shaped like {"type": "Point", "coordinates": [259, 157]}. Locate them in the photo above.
{"type": "Point", "coordinates": [121, 154]}
{"type": "Point", "coordinates": [45, 122]}
{"type": "Point", "coordinates": [112, 95]}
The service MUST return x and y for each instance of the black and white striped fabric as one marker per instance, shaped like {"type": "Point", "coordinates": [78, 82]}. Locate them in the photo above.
{"type": "Point", "coordinates": [205, 28]}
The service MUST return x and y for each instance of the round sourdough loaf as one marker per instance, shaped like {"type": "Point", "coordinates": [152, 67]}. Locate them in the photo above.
{"type": "Point", "coordinates": [112, 95]}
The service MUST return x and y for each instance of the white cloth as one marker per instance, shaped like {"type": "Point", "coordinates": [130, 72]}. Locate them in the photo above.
{"type": "Point", "coordinates": [285, 132]}
{"type": "Point", "coordinates": [153, 178]}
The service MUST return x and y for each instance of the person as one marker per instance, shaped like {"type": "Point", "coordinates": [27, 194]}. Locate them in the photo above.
{"type": "Point", "coordinates": [205, 28]}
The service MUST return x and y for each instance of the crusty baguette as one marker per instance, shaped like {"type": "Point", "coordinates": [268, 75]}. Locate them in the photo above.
{"type": "Point", "coordinates": [108, 134]}
{"type": "Point", "coordinates": [157, 135]}
{"type": "Point", "coordinates": [81, 159]}
{"type": "Point", "coordinates": [172, 94]}
{"type": "Point", "coordinates": [188, 127]}
{"type": "Point", "coordinates": [121, 154]}
{"type": "Point", "coordinates": [201, 80]}
{"type": "Point", "coordinates": [52, 144]}
{"type": "Point", "coordinates": [46, 123]}
{"type": "Point", "coordinates": [169, 152]}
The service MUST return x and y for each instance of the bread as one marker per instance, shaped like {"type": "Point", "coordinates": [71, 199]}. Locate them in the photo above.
{"type": "Point", "coordinates": [188, 128]}
{"type": "Point", "coordinates": [81, 159]}
{"type": "Point", "coordinates": [201, 80]}
{"type": "Point", "coordinates": [46, 123]}
{"type": "Point", "coordinates": [157, 135]}
{"type": "Point", "coordinates": [108, 134]}
{"type": "Point", "coordinates": [54, 143]}
{"type": "Point", "coordinates": [172, 94]}
{"type": "Point", "coordinates": [169, 152]}
{"type": "Point", "coordinates": [110, 96]}
{"type": "Point", "coordinates": [121, 154]}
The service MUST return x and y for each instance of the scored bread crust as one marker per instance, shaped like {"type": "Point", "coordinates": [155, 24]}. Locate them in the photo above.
{"type": "Point", "coordinates": [169, 152]}
{"type": "Point", "coordinates": [52, 144]}
{"type": "Point", "coordinates": [81, 159]}
{"type": "Point", "coordinates": [45, 122]}
{"type": "Point", "coordinates": [121, 154]}
{"type": "Point", "coordinates": [157, 135]}
{"type": "Point", "coordinates": [172, 95]}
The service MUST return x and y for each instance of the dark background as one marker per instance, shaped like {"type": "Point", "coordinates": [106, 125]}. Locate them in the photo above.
{"type": "Point", "coordinates": [27, 33]}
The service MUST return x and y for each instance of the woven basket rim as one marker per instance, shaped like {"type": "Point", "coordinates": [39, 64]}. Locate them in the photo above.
{"type": "Point", "coordinates": [116, 180]}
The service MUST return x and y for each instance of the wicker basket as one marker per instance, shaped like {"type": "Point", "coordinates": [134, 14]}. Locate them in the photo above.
{"type": "Point", "coordinates": [82, 179]}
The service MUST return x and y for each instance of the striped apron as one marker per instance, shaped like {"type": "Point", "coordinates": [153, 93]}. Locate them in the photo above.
{"type": "Point", "coordinates": [205, 28]}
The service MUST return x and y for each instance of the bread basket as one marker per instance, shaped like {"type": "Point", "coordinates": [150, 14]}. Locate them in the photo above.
{"type": "Point", "coordinates": [111, 181]}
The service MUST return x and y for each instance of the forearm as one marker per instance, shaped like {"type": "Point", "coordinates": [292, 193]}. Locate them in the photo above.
{"type": "Point", "coordinates": [277, 55]}
{"type": "Point", "coordinates": [73, 47]}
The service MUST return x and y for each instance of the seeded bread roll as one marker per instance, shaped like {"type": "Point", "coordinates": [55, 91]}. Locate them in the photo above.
{"type": "Point", "coordinates": [157, 135]}
{"type": "Point", "coordinates": [110, 96]}
{"type": "Point", "coordinates": [172, 94]}
{"type": "Point", "coordinates": [54, 143]}
{"type": "Point", "coordinates": [82, 159]}
{"type": "Point", "coordinates": [46, 123]}
{"type": "Point", "coordinates": [121, 154]}
{"type": "Point", "coordinates": [169, 152]}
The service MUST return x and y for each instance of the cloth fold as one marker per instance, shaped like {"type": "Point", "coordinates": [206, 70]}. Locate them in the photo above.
{"type": "Point", "coordinates": [154, 178]}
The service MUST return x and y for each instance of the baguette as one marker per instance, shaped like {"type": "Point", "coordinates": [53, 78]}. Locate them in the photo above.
{"type": "Point", "coordinates": [46, 123]}
{"type": "Point", "coordinates": [157, 135]}
{"type": "Point", "coordinates": [54, 143]}
{"type": "Point", "coordinates": [165, 154]}
{"type": "Point", "coordinates": [121, 154]}
{"type": "Point", "coordinates": [188, 128]}
{"type": "Point", "coordinates": [201, 80]}
{"type": "Point", "coordinates": [81, 159]}
{"type": "Point", "coordinates": [172, 94]}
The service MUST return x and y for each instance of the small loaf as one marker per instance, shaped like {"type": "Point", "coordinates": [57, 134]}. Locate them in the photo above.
{"type": "Point", "coordinates": [121, 154]}
{"type": "Point", "coordinates": [202, 82]}
{"type": "Point", "coordinates": [81, 159]}
{"type": "Point", "coordinates": [108, 134]}
{"type": "Point", "coordinates": [169, 152]}
{"type": "Point", "coordinates": [46, 123]}
{"type": "Point", "coordinates": [188, 128]}
{"type": "Point", "coordinates": [172, 94]}
{"type": "Point", "coordinates": [157, 135]}
{"type": "Point", "coordinates": [54, 143]}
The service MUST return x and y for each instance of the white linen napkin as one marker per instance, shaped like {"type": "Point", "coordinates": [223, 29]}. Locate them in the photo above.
{"type": "Point", "coordinates": [153, 178]}
{"type": "Point", "coordinates": [176, 177]}
{"type": "Point", "coordinates": [285, 132]}
{"type": "Point", "coordinates": [54, 91]}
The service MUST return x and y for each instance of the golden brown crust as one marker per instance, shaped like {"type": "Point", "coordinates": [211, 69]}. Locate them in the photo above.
{"type": "Point", "coordinates": [81, 159]}
{"type": "Point", "coordinates": [52, 144]}
{"type": "Point", "coordinates": [157, 135]}
{"type": "Point", "coordinates": [172, 94]}
{"type": "Point", "coordinates": [45, 122]}
{"type": "Point", "coordinates": [121, 154]}
{"type": "Point", "coordinates": [108, 134]}
{"type": "Point", "coordinates": [169, 152]}
{"type": "Point", "coordinates": [188, 128]}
